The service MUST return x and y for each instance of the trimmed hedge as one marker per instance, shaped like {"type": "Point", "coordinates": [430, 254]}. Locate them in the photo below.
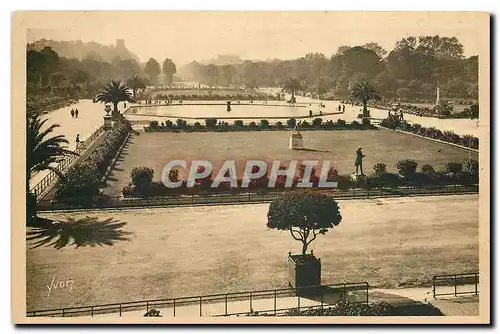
{"type": "Point", "coordinates": [447, 136]}
{"type": "Point", "coordinates": [211, 124]}
{"type": "Point", "coordinates": [380, 179]}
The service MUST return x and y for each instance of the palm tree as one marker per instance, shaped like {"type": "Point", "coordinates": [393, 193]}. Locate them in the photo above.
{"type": "Point", "coordinates": [42, 152]}
{"type": "Point", "coordinates": [364, 92]}
{"type": "Point", "coordinates": [444, 108]}
{"type": "Point", "coordinates": [293, 85]}
{"type": "Point", "coordinates": [114, 92]}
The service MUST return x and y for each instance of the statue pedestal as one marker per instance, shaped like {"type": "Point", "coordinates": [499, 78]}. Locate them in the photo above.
{"type": "Point", "coordinates": [108, 122]}
{"type": "Point", "coordinates": [296, 141]}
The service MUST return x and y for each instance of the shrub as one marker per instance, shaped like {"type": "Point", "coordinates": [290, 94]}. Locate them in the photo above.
{"type": "Point", "coordinates": [173, 175]}
{"type": "Point", "coordinates": [304, 211]}
{"type": "Point", "coordinates": [406, 167]}
{"type": "Point", "coordinates": [304, 124]}
{"type": "Point", "coordinates": [380, 169]}
{"type": "Point", "coordinates": [238, 123]}
{"type": "Point", "coordinates": [473, 167]}
{"type": "Point", "coordinates": [169, 124]}
{"type": "Point", "coordinates": [81, 184]}
{"type": "Point", "coordinates": [142, 176]}
{"type": "Point", "coordinates": [197, 125]}
{"type": "Point", "coordinates": [279, 125]}
{"type": "Point", "coordinates": [153, 124]}
{"type": "Point", "coordinates": [181, 124]}
{"type": "Point", "coordinates": [345, 308]}
{"type": "Point", "coordinates": [252, 125]}
{"type": "Point", "coordinates": [152, 313]}
{"type": "Point", "coordinates": [317, 122]}
{"type": "Point", "coordinates": [341, 122]}
{"type": "Point", "coordinates": [264, 124]}
{"type": "Point", "coordinates": [454, 167]}
{"type": "Point", "coordinates": [211, 122]}
{"type": "Point", "coordinates": [366, 121]}
{"type": "Point", "coordinates": [291, 122]}
{"type": "Point", "coordinates": [428, 170]}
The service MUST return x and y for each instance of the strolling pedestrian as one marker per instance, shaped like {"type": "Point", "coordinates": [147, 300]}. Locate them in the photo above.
{"type": "Point", "coordinates": [77, 140]}
{"type": "Point", "coordinates": [343, 108]}
{"type": "Point", "coordinates": [76, 113]}
{"type": "Point", "coordinates": [72, 112]}
{"type": "Point", "coordinates": [310, 113]}
{"type": "Point", "coordinates": [359, 161]}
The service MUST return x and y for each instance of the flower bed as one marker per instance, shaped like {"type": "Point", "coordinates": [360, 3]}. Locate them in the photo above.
{"type": "Point", "coordinates": [446, 136]}
{"type": "Point", "coordinates": [469, 112]}
{"type": "Point", "coordinates": [211, 124]}
{"type": "Point", "coordinates": [83, 179]}
{"type": "Point", "coordinates": [408, 177]}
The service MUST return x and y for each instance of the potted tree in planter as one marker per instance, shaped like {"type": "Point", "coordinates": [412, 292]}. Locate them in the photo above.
{"type": "Point", "coordinates": [306, 214]}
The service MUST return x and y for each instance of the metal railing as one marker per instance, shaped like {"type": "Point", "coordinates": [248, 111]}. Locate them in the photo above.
{"type": "Point", "coordinates": [52, 176]}
{"type": "Point", "coordinates": [469, 280]}
{"type": "Point", "coordinates": [117, 202]}
{"type": "Point", "coordinates": [316, 296]}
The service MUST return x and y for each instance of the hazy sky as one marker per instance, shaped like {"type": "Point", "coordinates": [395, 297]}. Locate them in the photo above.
{"type": "Point", "coordinates": [187, 36]}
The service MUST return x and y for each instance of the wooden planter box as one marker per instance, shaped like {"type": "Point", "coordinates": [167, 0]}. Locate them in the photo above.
{"type": "Point", "coordinates": [304, 270]}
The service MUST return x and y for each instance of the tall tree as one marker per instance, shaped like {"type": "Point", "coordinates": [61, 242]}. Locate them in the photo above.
{"type": "Point", "coordinates": [364, 92]}
{"type": "Point", "coordinates": [375, 47]}
{"type": "Point", "coordinates": [341, 49]}
{"type": "Point", "coordinates": [152, 69]}
{"type": "Point", "coordinates": [292, 85]}
{"type": "Point", "coordinates": [114, 92]}
{"type": "Point", "coordinates": [169, 70]}
{"type": "Point", "coordinates": [136, 83]}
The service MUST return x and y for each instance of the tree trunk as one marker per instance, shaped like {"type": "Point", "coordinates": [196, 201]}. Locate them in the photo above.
{"type": "Point", "coordinates": [116, 112]}
{"type": "Point", "coordinates": [365, 109]}
{"type": "Point", "coordinates": [133, 91]}
{"type": "Point", "coordinates": [304, 248]}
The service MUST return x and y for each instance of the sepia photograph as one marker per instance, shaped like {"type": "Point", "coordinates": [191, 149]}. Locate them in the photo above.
{"type": "Point", "coordinates": [237, 167]}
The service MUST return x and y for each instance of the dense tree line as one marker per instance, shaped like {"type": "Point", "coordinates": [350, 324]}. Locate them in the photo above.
{"type": "Point", "coordinates": [411, 70]}
{"type": "Point", "coordinates": [50, 74]}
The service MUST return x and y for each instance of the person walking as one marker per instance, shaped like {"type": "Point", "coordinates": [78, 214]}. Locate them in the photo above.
{"type": "Point", "coordinates": [359, 161]}
{"type": "Point", "coordinates": [77, 140]}
{"type": "Point", "coordinates": [76, 113]}
{"type": "Point", "coordinates": [72, 112]}
{"type": "Point", "coordinates": [343, 108]}
{"type": "Point", "coordinates": [310, 113]}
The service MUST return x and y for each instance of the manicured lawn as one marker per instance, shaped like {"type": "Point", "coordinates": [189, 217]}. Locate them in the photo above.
{"type": "Point", "coordinates": [157, 149]}
{"type": "Point", "coordinates": [202, 250]}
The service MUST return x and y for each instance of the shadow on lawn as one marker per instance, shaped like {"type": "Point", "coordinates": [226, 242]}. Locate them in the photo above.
{"type": "Point", "coordinates": [83, 232]}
